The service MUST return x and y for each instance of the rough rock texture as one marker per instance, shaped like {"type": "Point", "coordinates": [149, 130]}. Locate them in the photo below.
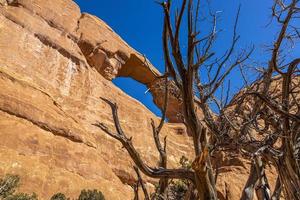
{"type": "Point", "coordinates": [49, 98]}
{"type": "Point", "coordinates": [53, 69]}
{"type": "Point", "coordinates": [233, 172]}
{"type": "Point", "coordinates": [174, 107]}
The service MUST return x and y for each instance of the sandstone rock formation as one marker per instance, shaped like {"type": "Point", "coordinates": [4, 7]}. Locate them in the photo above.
{"type": "Point", "coordinates": [53, 69]}
{"type": "Point", "coordinates": [51, 80]}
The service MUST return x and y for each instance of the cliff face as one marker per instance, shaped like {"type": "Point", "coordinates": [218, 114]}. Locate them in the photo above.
{"type": "Point", "coordinates": [55, 64]}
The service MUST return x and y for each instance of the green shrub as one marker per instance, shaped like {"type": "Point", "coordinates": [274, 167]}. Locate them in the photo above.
{"type": "Point", "coordinates": [177, 189]}
{"type": "Point", "coordinates": [59, 196]}
{"type": "Point", "coordinates": [91, 195]}
{"type": "Point", "coordinates": [8, 185]}
{"type": "Point", "coordinates": [185, 163]}
{"type": "Point", "coordinates": [22, 196]}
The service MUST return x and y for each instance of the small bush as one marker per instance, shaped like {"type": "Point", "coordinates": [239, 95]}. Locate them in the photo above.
{"type": "Point", "coordinates": [185, 163]}
{"type": "Point", "coordinates": [22, 196]}
{"type": "Point", "coordinates": [177, 190]}
{"type": "Point", "coordinates": [8, 185]}
{"type": "Point", "coordinates": [59, 196]}
{"type": "Point", "coordinates": [91, 195]}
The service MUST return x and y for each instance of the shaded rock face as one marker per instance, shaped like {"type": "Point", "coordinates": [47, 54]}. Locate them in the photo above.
{"type": "Point", "coordinates": [55, 63]}
{"type": "Point", "coordinates": [174, 106]}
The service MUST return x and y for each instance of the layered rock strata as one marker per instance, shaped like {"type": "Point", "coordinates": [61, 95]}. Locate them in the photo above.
{"type": "Point", "coordinates": [55, 64]}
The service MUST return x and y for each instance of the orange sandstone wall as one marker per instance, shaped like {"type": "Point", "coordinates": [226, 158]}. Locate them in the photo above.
{"type": "Point", "coordinates": [55, 64]}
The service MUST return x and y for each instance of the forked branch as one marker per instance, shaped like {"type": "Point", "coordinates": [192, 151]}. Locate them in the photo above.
{"type": "Point", "coordinates": [127, 144]}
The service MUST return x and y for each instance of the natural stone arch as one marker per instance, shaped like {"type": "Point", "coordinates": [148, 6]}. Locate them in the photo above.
{"type": "Point", "coordinates": [112, 57]}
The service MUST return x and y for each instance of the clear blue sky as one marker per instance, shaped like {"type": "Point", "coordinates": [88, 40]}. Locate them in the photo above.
{"type": "Point", "coordinates": [139, 23]}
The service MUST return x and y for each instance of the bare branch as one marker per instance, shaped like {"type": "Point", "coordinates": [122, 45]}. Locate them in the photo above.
{"type": "Point", "coordinates": [141, 182]}
{"type": "Point", "coordinates": [127, 143]}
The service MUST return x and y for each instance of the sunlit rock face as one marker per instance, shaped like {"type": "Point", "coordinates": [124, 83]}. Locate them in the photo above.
{"type": "Point", "coordinates": [55, 64]}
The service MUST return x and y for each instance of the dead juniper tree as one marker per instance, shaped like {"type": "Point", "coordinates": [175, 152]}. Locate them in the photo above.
{"type": "Point", "coordinates": [184, 68]}
{"type": "Point", "coordinates": [265, 116]}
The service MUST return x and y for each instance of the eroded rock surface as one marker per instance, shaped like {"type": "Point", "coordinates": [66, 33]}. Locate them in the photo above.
{"type": "Point", "coordinates": [52, 75]}
{"type": "Point", "coordinates": [53, 71]}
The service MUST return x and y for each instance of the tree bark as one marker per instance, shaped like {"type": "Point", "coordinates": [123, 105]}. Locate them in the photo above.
{"type": "Point", "coordinates": [248, 191]}
{"type": "Point", "coordinates": [202, 167]}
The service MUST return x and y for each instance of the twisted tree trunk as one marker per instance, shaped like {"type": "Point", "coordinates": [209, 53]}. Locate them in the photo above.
{"type": "Point", "coordinates": [203, 176]}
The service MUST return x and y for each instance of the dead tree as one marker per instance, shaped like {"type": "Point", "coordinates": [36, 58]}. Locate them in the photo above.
{"type": "Point", "coordinates": [185, 71]}
{"type": "Point", "coordinates": [139, 182]}
{"type": "Point", "coordinates": [199, 74]}
{"type": "Point", "coordinates": [269, 128]}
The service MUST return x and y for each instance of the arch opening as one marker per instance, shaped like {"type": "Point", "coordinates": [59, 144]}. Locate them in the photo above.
{"type": "Point", "coordinates": [138, 91]}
